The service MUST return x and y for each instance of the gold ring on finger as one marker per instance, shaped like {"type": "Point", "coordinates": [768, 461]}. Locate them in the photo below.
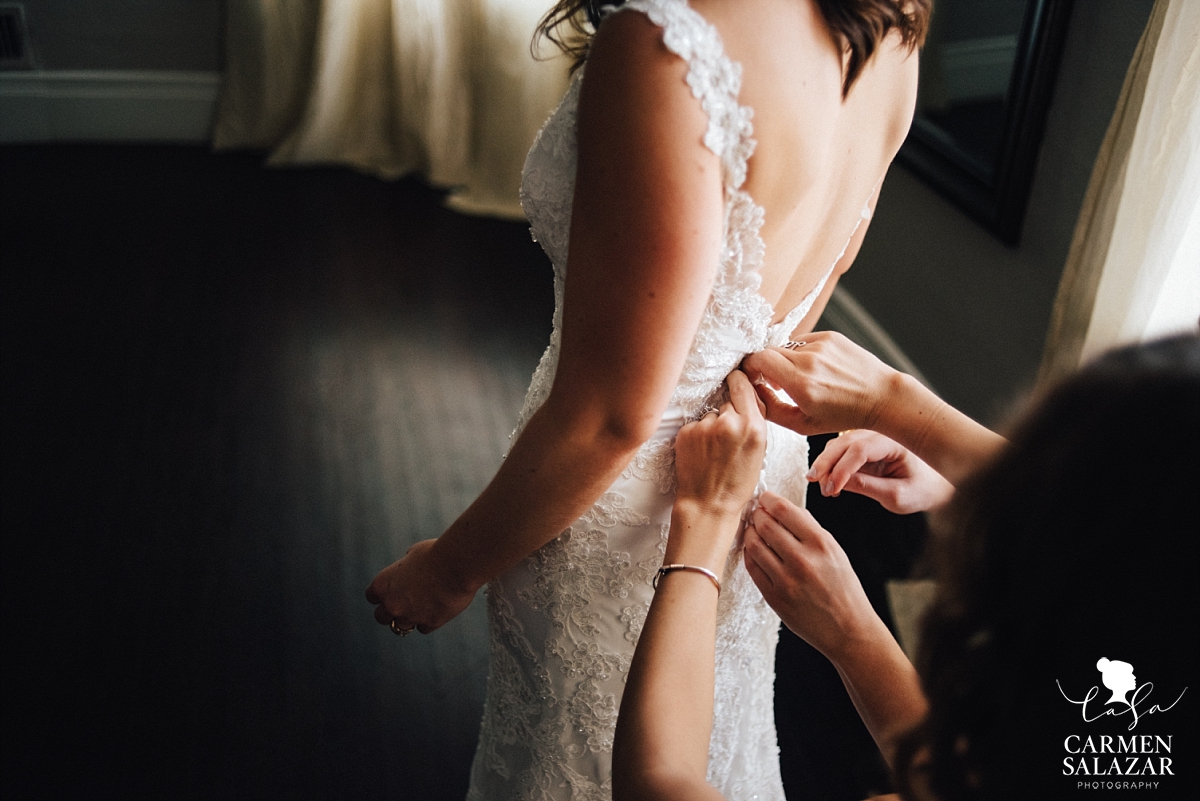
{"type": "Point", "coordinates": [399, 631]}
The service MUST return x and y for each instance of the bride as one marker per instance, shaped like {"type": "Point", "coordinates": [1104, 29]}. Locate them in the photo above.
{"type": "Point", "coordinates": [703, 183]}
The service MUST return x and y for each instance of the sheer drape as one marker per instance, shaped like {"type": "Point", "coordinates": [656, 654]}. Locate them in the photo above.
{"type": "Point", "coordinates": [1133, 272]}
{"type": "Point", "coordinates": [446, 88]}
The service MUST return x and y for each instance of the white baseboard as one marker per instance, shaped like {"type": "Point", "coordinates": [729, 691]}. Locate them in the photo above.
{"type": "Point", "coordinates": [107, 106]}
{"type": "Point", "coordinates": [846, 315]}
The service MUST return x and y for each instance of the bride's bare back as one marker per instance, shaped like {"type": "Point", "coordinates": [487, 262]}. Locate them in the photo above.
{"type": "Point", "coordinates": [820, 155]}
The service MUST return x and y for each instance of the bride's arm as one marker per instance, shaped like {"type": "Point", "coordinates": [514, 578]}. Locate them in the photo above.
{"type": "Point", "coordinates": [646, 235]}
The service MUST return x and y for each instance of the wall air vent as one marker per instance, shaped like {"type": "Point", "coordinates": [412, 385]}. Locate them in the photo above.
{"type": "Point", "coordinates": [15, 52]}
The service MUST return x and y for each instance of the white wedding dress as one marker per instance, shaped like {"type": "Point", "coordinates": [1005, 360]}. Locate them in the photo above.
{"type": "Point", "coordinates": [565, 621]}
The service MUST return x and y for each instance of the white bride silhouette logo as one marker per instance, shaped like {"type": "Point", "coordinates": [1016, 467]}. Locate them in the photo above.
{"type": "Point", "coordinates": [1118, 677]}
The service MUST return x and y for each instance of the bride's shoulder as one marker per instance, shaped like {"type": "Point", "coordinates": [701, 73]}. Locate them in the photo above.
{"type": "Point", "coordinates": [630, 68]}
{"type": "Point", "coordinates": [744, 23]}
{"type": "Point", "coordinates": [631, 43]}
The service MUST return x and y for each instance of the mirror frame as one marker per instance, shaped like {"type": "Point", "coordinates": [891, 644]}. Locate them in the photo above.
{"type": "Point", "coordinates": [997, 199]}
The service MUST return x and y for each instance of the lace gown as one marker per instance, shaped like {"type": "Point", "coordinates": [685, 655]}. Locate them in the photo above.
{"type": "Point", "coordinates": [565, 621]}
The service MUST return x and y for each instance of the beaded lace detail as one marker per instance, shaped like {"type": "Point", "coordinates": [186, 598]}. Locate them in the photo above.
{"type": "Point", "coordinates": [564, 622]}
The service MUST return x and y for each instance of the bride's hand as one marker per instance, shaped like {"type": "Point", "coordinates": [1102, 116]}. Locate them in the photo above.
{"type": "Point", "coordinates": [834, 384]}
{"type": "Point", "coordinates": [718, 458]}
{"type": "Point", "coordinates": [871, 464]}
{"type": "Point", "coordinates": [417, 591]}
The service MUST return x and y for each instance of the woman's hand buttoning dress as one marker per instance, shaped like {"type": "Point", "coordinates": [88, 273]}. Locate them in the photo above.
{"type": "Point", "coordinates": [672, 249]}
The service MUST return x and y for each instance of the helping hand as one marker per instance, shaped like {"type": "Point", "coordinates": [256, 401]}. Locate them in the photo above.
{"type": "Point", "coordinates": [834, 384]}
{"type": "Point", "coordinates": [871, 464]}
{"type": "Point", "coordinates": [417, 592]}
{"type": "Point", "coordinates": [719, 457]}
{"type": "Point", "coordinates": [807, 579]}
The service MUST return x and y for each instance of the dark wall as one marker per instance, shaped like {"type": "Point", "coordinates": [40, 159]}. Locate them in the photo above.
{"type": "Point", "coordinates": [972, 19]}
{"type": "Point", "coordinates": [125, 34]}
{"type": "Point", "coordinates": [969, 311]}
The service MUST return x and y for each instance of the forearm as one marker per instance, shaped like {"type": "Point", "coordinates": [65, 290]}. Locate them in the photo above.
{"type": "Point", "coordinates": [661, 746]}
{"type": "Point", "coordinates": [556, 469]}
{"type": "Point", "coordinates": [883, 685]}
{"type": "Point", "coordinates": [943, 437]}
{"type": "Point", "coordinates": [805, 575]}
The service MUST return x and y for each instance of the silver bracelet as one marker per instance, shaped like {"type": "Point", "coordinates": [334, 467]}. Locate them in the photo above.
{"type": "Point", "coordinates": [665, 569]}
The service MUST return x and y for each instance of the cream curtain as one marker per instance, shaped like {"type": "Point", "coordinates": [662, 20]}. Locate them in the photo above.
{"type": "Point", "coordinates": [445, 88]}
{"type": "Point", "coordinates": [1133, 271]}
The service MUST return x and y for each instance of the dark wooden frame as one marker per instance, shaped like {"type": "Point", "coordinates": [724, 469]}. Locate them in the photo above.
{"type": "Point", "coordinates": [997, 197]}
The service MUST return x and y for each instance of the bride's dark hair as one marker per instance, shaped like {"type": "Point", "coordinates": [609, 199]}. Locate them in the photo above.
{"type": "Point", "coordinates": [858, 26]}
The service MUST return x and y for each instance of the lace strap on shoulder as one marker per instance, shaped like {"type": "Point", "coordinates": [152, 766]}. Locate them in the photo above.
{"type": "Point", "coordinates": [715, 80]}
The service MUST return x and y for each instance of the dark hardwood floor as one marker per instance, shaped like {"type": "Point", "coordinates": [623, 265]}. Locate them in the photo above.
{"type": "Point", "coordinates": [230, 395]}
